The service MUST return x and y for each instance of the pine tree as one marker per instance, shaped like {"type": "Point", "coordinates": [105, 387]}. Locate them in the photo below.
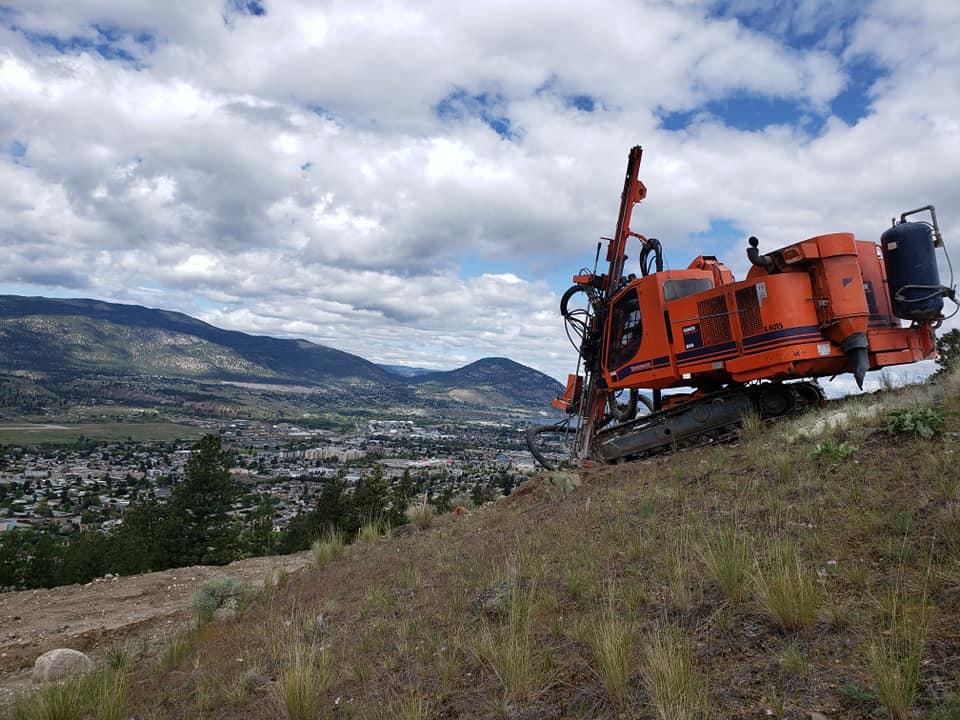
{"type": "Point", "coordinates": [143, 543]}
{"type": "Point", "coordinates": [259, 538]}
{"type": "Point", "coordinates": [948, 347]}
{"type": "Point", "coordinates": [198, 514]}
{"type": "Point", "coordinates": [476, 494]}
{"type": "Point", "coordinates": [370, 498]}
{"type": "Point", "coordinates": [400, 496]}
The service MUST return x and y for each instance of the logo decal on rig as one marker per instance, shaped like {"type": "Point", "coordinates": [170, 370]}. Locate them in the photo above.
{"type": "Point", "coordinates": [692, 337]}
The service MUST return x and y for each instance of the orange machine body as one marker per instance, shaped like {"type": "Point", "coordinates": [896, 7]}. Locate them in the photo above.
{"type": "Point", "coordinates": [699, 327]}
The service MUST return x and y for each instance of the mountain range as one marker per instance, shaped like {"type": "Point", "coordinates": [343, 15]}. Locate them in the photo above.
{"type": "Point", "coordinates": [57, 338]}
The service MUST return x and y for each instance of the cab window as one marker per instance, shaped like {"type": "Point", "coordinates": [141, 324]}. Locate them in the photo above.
{"type": "Point", "coordinates": [681, 287]}
{"type": "Point", "coordinates": [626, 330]}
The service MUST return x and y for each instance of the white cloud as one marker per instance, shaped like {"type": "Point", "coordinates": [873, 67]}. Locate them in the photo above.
{"type": "Point", "coordinates": [296, 171]}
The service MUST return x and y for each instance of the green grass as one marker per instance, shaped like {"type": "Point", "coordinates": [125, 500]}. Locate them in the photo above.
{"type": "Point", "coordinates": [894, 654]}
{"type": "Point", "coordinates": [177, 649]}
{"type": "Point", "coordinates": [786, 589]}
{"type": "Point", "coordinates": [66, 434]}
{"type": "Point", "coordinates": [793, 661]}
{"type": "Point", "coordinates": [728, 558]}
{"type": "Point", "coordinates": [303, 681]}
{"type": "Point", "coordinates": [673, 682]}
{"type": "Point", "coordinates": [101, 695]}
{"type": "Point", "coordinates": [611, 640]}
{"type": "Point", "coordinates": [328, 548]}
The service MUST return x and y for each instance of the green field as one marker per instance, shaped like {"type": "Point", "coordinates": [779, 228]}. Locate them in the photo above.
{"type": "Point", "coordinates": [24, 433]}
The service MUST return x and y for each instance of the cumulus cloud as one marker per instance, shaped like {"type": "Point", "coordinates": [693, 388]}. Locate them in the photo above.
{"type": "Point", "coordinates": [412, 181]}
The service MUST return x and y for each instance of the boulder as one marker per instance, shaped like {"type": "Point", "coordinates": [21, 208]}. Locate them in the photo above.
{"type": "Point", "coordinates": [564, 483]}
{"type": "Point", "coordinates": [61, 664]}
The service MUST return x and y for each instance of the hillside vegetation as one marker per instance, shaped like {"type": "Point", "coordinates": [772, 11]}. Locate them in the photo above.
{"type": "Point", "coordinates": [810, 570]}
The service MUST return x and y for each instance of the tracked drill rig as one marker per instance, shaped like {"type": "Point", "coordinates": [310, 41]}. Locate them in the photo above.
{"type": "Point", "coordinates": [820, 307]}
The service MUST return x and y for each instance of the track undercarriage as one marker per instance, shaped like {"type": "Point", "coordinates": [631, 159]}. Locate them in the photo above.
{"type": "Point", "coordinates": [708, 419]}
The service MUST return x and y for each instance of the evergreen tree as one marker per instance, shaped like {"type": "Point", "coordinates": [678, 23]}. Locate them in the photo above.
{"type": "Point", "coordinates": [370, 498]}
{"type": "Point", "coordinates": [259, 538]}
{"type": "Point", "coordinates": [198, 514]}
{"type": "Point", "coordinates": [333, 508]}
{"type": "Point", "coordinates": [401, 495]}
{"type": "Point", "coordinates": [948, 347]}
{"type": "Point", "coordinates": [476, 494]}
{"type": "Point", "coordinates": [442, 501]}
{"type": "Point", "coordinates": [146, 540]}
{"type": "Point", "coordinates": [84, 558]}
{"type": "Point", "coordinates": [29, 559]}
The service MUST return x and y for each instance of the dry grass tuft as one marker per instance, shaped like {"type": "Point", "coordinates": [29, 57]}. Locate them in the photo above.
{"type": "Point", "coordinates": [728, 558]}
{"type": "Point", "coordinates": [328, 548]}
{"type": "Point", "coordinates": [787, 590]}
{"type": "Point", "coordinates": [420, 515]}
{"type": "Point", "coordinates": [370, 531]}
{"type": "Point", "coordinates": [303, 681]}
{"type": "Point", "coordinates": [672, 680]}
{"type": "Point", "coordinates": [611, 639]}
{"type": "Point", "coordinates": [893, 656]}
{"type": "Point", "coordinates": [512, 652]}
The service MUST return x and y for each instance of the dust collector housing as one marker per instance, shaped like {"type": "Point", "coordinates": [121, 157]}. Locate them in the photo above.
{"type": "Point", "coordinates": [913, 280]}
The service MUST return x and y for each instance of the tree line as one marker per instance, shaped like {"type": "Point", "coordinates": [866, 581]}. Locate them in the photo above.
{"type": "Point", "coordinates": [197, 525]}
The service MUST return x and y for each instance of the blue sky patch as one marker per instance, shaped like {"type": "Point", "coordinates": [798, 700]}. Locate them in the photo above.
{"type": "Point", "coordinates": [108, 42]}
{"type": "Point", "coordinates": [853, 103]}
{"type": "Point", "coordinates": [232, 8]}
{"type": "Point", "coordinates": [76, 44]}
{"type": "Point", "coordinates": [325, 114]}
{"type": "Point", "coordinates": [585, 103]}
{"type": "Point", "coordinates": [18, 149]}
{"type": "Point", "coordinates": [461, 105]}
{"type": "Point", "coordinates": [750, 113]}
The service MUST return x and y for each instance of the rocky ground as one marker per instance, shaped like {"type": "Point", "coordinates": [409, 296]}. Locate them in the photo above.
{"type": "Point", "coordinates": [108, 611]}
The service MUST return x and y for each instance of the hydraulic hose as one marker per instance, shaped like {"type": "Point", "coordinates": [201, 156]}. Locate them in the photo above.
{"type": "Point", "coordinates": [562, 427]}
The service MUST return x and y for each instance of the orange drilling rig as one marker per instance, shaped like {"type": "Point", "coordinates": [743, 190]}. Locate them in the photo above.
{"type": "Point", "coordinates": [819, 307]}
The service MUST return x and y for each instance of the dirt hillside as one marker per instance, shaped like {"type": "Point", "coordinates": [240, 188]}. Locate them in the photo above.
{"type": "Point", "coordinates": [109, 610]}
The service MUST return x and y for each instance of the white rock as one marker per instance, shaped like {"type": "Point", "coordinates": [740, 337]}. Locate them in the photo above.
{"type": "Point", "coordinates": [61, 664]}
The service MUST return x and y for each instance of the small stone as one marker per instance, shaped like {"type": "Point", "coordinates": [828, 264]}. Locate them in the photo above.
{"type": "Point", "coordinates": [228, 610]}
{"type": "Point", "coordinates": [321, 627]}
{"type": "Point", "coordinates": [253, 679]}
{"type": "Point", "coordinates": [816, 716]}
{"type": "Point", "coordinates": [61, 664]}
{"type": "Point", "coordinates": [495, 600]}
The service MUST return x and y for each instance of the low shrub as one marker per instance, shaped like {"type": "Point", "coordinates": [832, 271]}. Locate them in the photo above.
{"type": "Point", "coordinates": [924, 423]}
{"type": "Point", "coordinates": [219, 591]}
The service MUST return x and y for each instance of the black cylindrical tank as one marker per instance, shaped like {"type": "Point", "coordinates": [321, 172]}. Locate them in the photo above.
{"type": "Point", "coordinates": [912, 275]}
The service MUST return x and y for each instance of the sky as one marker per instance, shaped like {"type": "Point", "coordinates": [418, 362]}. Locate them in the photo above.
{"type": "Point", "coordinates": [416, 182]}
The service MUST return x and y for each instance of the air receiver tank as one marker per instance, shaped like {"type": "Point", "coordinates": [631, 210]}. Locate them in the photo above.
{"type": "Point", "coordinates": [912, 276]}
